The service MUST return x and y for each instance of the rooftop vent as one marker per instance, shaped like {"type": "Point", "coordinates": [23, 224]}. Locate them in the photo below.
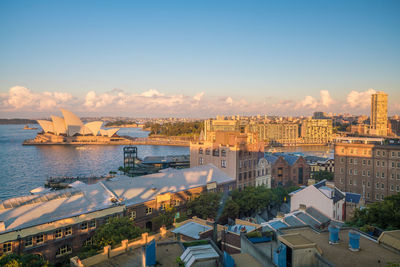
{"type": "Point", "coordinates": [333, 234]}
{"type": "Point", "coordinates": [354, 240]}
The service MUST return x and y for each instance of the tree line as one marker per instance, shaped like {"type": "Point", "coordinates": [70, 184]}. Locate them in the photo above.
{"type": "Point", "coordinates": [175, 129]}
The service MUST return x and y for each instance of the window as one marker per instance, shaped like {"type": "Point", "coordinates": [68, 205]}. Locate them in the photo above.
{"type": "Point", "coordinates": [240, 176]}
{"type": "Point", "coordinates": [377, 185]}
{"type": "Point", "coordinates": [64, 250]}
{"type": "Point", "coordinates": [68, 231]}
{"type": "Point", "coordinates": [207, 151]}
{"type": "Point", "coordinates": [363, 173]}
{"type": "Point", "coordinates": [383, 186]}
{"type": "Point", "coordinates": [39, 239]}
{"type": "Point", "coordinates": [84, 226]}
{"type": "Point", "coordinates": [92, 223]}
{"type": "Point", "coordinates": [28, 242]}
{"type": "Point", "coordinates": [392, 154]}
{"type": "Point", "coordinates": [378, 175]}
{"type": "Point", "coordinates": [382, 197]}
{"type": "Point", "coordinates": [341, 170]}
{"type": "Point", "coordinates": [398, 176]}
{"type": "Point", "coordinates": [88, 241]}
{"type": "Point", "coordinates": [350, 182]}
{"type": "Point", "coordinates": [368, 195]}
{"type": "Point", "coordinates": [200, 161]}
{"type": "Point", "coordinates": [341, 180]}
{"type": "Point", "coordinates": [132, 215]}
{"type": "Point", "coordinates": [391, 187]}
{"type": "Point", "coordinates": [223, 152]}
{"type": "Point", "coordinates": [377, 196]}
{"type": "Point", "coordinates": [240, 164]}
{"type": "Point", "coordinates": [355, 172]}
{"type": "Point", "coordinates": [377, 163]}
{"type": "Point", "coordinates": [351, 161]}
{"type": "Point", "coordinates": [369, 162]}
{"type": "Point", "coordinates": [368, 184]}
{"type": "Point", "coordinates": [223, 163]}
{"type": "Point", "coordinates": [383, 164]}
{"type": "Point", "coordinates": [383, 175]}
{"type": "Point", "coordinates": [392, 176]}
{"type": "Point", "coordinates": [350, 171]}
{"type": "Point", "coordinates": [397, 188]}
{"type": "Point", "coordinates": [200, 150]}
{"type": "Point", "coordinates": [355, 161]}
{"type": "Point", "coordinates": [364, 162]}
{"type": "Point", "coordinates": [216, 152]}
{"type": "Point", "coordinates": [148, 211]}
{"type": "Point", "coordinates": [393, 164]}
{"type": "Point", "coordinates": [378, 153]}
{"type": "Point", "coordinates": [368, 173]}
{"type": "Point", "coordinates": [58, 233]}
{"type": "Point", "coordinates": [177, 202]}
{"type": "Point", "coordinates": [163, 206]}
{"type": "Point", "coordinates": [7, 247]}
{"type": "Point", "coordinates": [341, 160]}
{"type": "Point", "coordinates": [383, 153]}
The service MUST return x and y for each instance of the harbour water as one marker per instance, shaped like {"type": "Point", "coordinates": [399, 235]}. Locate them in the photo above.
{"type": "Point", "coordinates": [23, 168]}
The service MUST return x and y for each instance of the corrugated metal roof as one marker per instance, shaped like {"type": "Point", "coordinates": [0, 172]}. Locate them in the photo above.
{"type": "Point", "coordinates": [317, 215]}
{"type": "Point", "coordinates": [277, 225]}
{"type": "Point", "coordinates": [191, 229]}
{"type": "Point", "coordinates": [198, 253]}
{"type": "Point", "coordinates": [307, 219]}
{"type": "Point", "coordinates": [270, 158]}
{"type": "Point", "coordinates": [289, 158]}
{"type": "Point", "coordinates": [293, 221]}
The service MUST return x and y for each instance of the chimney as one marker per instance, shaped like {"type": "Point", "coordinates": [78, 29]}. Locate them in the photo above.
{"type": "Point", "coordinates": [302, 207]}
{"type": "Point", "coordinates": [2, 226]}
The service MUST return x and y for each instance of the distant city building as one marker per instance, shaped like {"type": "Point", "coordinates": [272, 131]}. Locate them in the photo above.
{"type": "Point", "coordinates": [379, 114]}
{"type": "Point", "coordinates": [327, 165]}
{"type": "Point", "coordinates": [395, 125]}
{"type": "Point", "coordinates": [320, 115]}
{"type": "Point", "coordinates": [367, 166]}
{"type": "Point", "coordinates": [316, 131]}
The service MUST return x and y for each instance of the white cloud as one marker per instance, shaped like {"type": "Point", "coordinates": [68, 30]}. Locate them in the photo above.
{"type": "Point", "coordinates": [198, 96]}
{"type": "Point", "coordinates": [19, 97]}
{"type": "Point", "coordinates": [151, 93]}
{"type": "Point", "coordinates": [308, 102]}
{"type": "Point", "coordinates": [357, 99]}
{"type": "Point", "coordinates": [326, 99]}
{"type": "Point", "coordinates": [229, 100]}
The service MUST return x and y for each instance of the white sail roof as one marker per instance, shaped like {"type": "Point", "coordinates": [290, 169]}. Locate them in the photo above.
{"type": "Point", "coordinates": [94, 127]}
{"type": "Point", "coordinates": [47, 126]}
{"type": "Point", "coordinates": [59, 125]}
{"type": "Point", "coordinates": [72, 122]}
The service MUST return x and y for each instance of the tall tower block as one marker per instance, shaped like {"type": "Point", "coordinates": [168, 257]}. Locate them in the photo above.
{"type": "Point", "coordinates": [379, 117]}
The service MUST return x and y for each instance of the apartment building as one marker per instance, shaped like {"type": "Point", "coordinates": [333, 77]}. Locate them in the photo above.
{"type": "Point", "coordinates": [368, 166]}
{"type": "Point", "coordinates": [316, 131]}
{"type": "Point", "coordinates": [379, 118]}
{"type": "Point", "coordinates": [281, 133]}
{"type": "Point", "coordinates": [58, 224]}
{"type": "Point", "coordinates": [237, 154]}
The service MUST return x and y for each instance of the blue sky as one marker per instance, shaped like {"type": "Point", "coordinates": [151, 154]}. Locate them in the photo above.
{"type": "Point", "coordinates": [246, 55]}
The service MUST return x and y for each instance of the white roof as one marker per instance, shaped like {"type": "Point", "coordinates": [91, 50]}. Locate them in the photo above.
{"type": "Point", "coordinates": [198, 253]}
{"type": "Point", "coordinates": [191, 229]}
{"type": "Point", "coordinates": [59, 125]}
{"type": "Point", "coordinates": [22, 212]}
{"type": "Point", "coordinates": [143, 188]}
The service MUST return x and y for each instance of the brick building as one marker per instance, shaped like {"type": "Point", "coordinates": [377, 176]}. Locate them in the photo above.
{"type": "Point", "coordinates": [288, 169]}
{"type": "Point", "coordinates": [59, 223]}
{"type": "Point", "coordinates": [368, 166]}
{"type": "Point", "coordinates": [237, 154]}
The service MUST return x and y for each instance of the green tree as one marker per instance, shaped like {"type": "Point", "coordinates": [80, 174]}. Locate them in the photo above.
{"type": "Point", "coordinates": [116, 230]}
{"type": "Point", "coordinates": [205, 206]}
{"type": "Point", "coordinates": [385, 214]}
{"type": "Point", "coordinates": [25, 260]}
{"type": "Point", "coordinates": [231, 210]}
{"type": "Point", "coordinates": [166, 218]}
{"type": "Point", "coordinates": [321, 175]}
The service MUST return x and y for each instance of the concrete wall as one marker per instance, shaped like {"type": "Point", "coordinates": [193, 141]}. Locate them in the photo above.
{"type": "Point", "coordinates": [304, 257]}
{"type": "Point", "coordinates": [260, 255]}
{"type": "Point", "coordinates": [125, 246]}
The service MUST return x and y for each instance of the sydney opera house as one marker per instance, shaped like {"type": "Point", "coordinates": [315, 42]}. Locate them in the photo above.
{"type": "Point", "coordinates": [71, 130]}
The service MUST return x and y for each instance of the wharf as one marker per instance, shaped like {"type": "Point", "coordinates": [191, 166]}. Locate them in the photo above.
{"type": "Point", "coordinates": [126, 141]}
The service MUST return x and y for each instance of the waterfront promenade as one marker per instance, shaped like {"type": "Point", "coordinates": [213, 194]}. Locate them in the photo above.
{"type": "Point", "coordinates": [128, 140]}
